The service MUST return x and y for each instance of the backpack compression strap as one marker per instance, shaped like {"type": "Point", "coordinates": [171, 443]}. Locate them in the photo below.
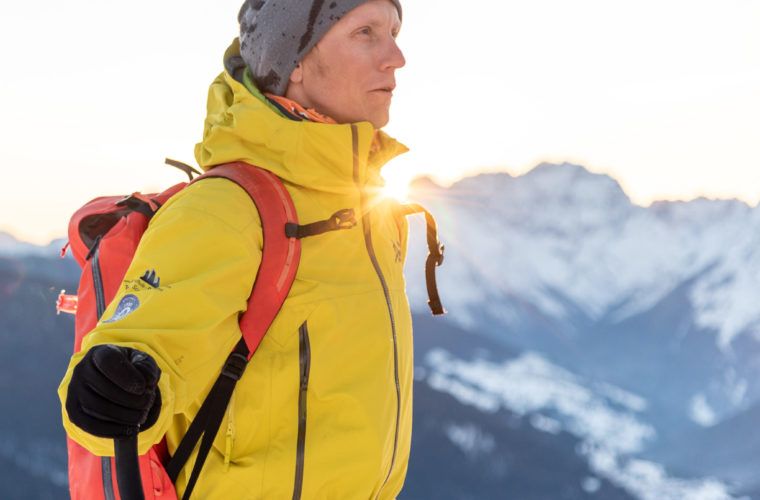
{"type": "Point", "coordinates": [279, 262]}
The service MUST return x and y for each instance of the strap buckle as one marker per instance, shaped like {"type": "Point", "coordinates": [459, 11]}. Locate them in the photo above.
{"type": "Point", "coordinates": [234, 366]}
{"type": "Point", "coordinates": [343, 219]}
{"type": "Point", "coordinates": [139, 203]}
{"type": "Point", "coordinates": [437, 256]}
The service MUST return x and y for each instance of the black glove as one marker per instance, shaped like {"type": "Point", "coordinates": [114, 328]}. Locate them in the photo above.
{"type": "Point", "coordinates": [113, 392]}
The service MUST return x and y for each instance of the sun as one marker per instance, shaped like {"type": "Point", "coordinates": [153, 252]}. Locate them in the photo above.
{"type": "Point", "coordinates": [396, 187]}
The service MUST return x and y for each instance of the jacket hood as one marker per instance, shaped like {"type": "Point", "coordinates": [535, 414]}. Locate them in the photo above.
{"type": "Point", "coordinates": [242, 125]}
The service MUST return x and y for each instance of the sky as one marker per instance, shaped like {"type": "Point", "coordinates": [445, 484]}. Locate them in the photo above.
{"type": "Point", "coordinates": [663, 95]}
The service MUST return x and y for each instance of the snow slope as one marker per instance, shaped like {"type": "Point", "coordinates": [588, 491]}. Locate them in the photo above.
{"type": "Point", "coordinates": [607, 419]}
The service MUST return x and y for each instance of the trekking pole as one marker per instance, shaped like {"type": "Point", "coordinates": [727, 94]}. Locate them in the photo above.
{"type": "Point", "coordinates": [128, 469]}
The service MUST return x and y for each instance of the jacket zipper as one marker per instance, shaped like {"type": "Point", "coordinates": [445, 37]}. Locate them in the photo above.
{"type": "Point", "coordinates": [108, 493]}
{"type": "Point", "coordinates": [230, 437]}
{"type": "Point", "coordinates": [304, 350]}
{"type": "Point", "coordinates": [100, 308]}
{"type": "Point", "coordinates": [384, 284]}
{"type": "Point", "coordinates": [97, 282]}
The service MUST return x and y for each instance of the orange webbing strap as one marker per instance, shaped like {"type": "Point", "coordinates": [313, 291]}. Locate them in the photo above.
{"type": "Point", "coordinates": [434, 258]}
{"type": "Point", "coordinates": [280, 256]}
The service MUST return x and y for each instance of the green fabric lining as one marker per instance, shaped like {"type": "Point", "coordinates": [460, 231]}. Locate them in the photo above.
{"type": "Point", "coordinates": [251, 86]}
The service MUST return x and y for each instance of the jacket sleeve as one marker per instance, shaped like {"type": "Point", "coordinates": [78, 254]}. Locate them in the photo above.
{"type": "Point", "coordinates": [204, 247]}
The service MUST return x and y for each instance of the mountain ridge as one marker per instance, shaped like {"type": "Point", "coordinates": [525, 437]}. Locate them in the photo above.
{"type": "Point", "coordinates": [588, 242]}
{"type": "Point", "coordinates": [10, 245]}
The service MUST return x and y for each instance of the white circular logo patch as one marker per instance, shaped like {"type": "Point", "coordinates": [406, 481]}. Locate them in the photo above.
{"type": "Point", "coordinates": [126, 306]}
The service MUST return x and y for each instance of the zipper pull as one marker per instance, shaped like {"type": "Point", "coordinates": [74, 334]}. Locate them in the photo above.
{"type": "Point", "coordinates": [230, 438]}
{"type": "Point", "coordinates": [228, 448]}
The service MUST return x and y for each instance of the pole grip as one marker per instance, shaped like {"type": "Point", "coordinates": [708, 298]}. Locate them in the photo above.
{"type": "Point", "coordinates": [128, 469]}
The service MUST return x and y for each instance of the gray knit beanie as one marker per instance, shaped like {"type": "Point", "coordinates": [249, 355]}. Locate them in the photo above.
{"type": "Point", "coordinates": [276, 34]}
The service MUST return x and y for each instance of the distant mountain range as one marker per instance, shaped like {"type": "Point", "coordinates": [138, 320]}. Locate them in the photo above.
{"type": "Point", "coordinates": [635, 329]}
{"type": "Point", "coordinates": [594, 349]}
{"type": "Point", "coordinates": [10, 246]}
{"type": "Point", "coordinates": [570, 243]}
{"type": "Point", "coordinates": [35, 345]}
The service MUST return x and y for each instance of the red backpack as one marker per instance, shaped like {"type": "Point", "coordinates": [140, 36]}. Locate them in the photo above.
{"type": "Point", "coordinates": [103, 236]}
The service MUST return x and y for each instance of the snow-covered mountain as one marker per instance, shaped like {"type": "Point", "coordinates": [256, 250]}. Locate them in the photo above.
{"type": "Point", "coordinates": [635, 327]}
{"type": "Point", "coordinates": [567, 241]}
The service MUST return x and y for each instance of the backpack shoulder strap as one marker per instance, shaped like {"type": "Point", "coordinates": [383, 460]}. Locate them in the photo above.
{"type": "Point", "coordinates": [280, 255]}
{"type": "Point", "coordinates": [279, 263]}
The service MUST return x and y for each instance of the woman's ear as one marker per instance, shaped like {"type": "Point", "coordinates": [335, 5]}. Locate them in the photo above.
{"type": "Point", "coordinates": [297, 75]}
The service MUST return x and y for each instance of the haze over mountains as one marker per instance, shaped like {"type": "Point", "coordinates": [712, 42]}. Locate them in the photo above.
{"type": "Point", "coordinates": [593, 348]}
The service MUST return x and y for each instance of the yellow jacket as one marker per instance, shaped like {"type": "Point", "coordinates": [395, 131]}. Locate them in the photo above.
{"type": "Point", "coordinates": [346, 317]}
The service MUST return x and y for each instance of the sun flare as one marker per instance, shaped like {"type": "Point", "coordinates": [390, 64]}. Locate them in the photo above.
{"type": "Point", "coordinates": [396, 187]}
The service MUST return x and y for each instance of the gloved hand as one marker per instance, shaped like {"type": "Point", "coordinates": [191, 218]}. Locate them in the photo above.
{"type": "Point", "coordinates": [113, 392]}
